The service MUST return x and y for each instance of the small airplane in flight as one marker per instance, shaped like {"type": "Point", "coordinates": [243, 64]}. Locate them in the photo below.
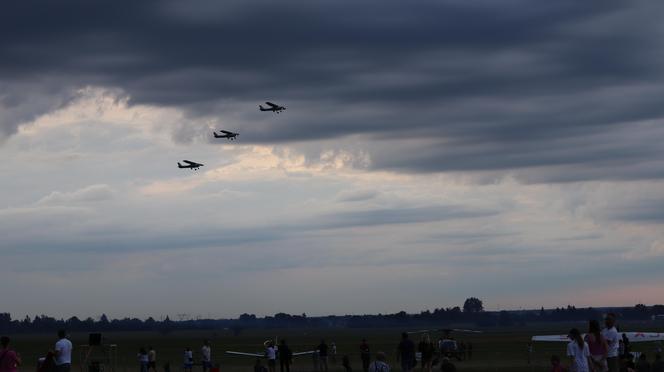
{"type": "Point", "coordinates": [190, 164]}
{"type": "Point", "coordinates": [226, 134]}
{"type": "Point", "coordinates": [273, 107]}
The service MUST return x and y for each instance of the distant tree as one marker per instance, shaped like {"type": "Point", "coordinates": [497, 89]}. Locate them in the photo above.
{"type": "Point", "coordinates": [473, 305]}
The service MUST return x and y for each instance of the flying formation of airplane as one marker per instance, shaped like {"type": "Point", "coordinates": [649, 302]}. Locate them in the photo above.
{"type": "Point", "coordinates": [190, 164]}
{"type": "Point", "coordinates": [226, 134]}
{"type": "Point", "coordinates": [263, 354]}
{"type": "Point", "coordinates": [273, 107]}
{"type": "Point", "coordinates": [231, 136]}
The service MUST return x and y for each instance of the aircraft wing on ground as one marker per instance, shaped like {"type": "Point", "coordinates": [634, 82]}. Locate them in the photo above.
{"type": "Point", "coordinates": [255, 355]}
{"type": "Point", "coordinates": [305, 352]}
{"type": "Point", "coordinates": [632, 336]}
{"type": "Point", "coordinates": [444, 330]}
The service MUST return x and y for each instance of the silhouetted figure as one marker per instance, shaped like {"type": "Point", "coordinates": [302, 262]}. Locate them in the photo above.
{"type": "Point", "coordinates": [612, 338]}
{"type": "Point", "coordinates": [271, 354]}
{"type": "Point", "coordinates": [365, 354]}
{"type": "Point", "coordinates": [657, 365]}
{"type": "Point", "coordinates": [188, 360]}
{"type": "Point", "coordinates": [322, 354]}
{"type": "Point", "coordinates": [642, 365]}
{"type": "Point", "coordinates": [470, 350]}
{"type": "Point", "coordinates": [285, 356]}
{"type": "Point", "coordinates": [406, 353]}
{"type": "Point", "coordinates": [143, 359]}
{"type": "Point", "coordinates": [555, 364]}
{"type": "Point", "coordinates": [345, 362]}
{"type": "Point", "coordinates": [10, 360]}
{"type": "Point", "coordinates": [597, 346]}
{"type": "Point", "coordinates": [258, 367]}
{"type": "Point", "coordinates": [447, 366]}
{"type": "Point", "coordinates": [47, 364]}
{"type": "Point", "coordinates": [426, 349]}
{"type": "Point", "coordinates": [380, 364]}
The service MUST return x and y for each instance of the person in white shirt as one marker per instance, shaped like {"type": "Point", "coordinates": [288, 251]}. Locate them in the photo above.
{"type": "Point", "coordinates": [188, 359]}
{"type": "Point", "coordinates": [271, 354]}
{"type": "Point", "coordinates": [578, 352]}
{"type": "Point", "coordinates": [379, 365]}
{"type": "Point", "coordinates": [207, 356]}
{"type": "Point", "coordinates": [63, 350]}
{"type": "Point", "coordinates": [612, 337]}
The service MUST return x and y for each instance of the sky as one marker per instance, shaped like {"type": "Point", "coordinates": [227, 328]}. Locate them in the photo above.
{"type": "Point", "coordinates": [430, 151]}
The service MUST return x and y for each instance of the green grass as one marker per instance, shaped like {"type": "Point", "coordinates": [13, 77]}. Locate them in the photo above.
{"type": "Point", "coordinates": [495, 350]}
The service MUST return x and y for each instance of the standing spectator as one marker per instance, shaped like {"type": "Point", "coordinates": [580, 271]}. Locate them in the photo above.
{"type": "Point", "coordinates": [345, 362]}
{"type": "Point", "coordinates": [10, 360]}
{"type": "Point", "coordinates": [63, 350]}
{"type": "Point", "coordinates": [188, 360]}
{"type": "Point", "coordinates": [258, 367]}
{"type": "Point", "coordinates": [642, 365]}
{"type": "Point", "coordinates": [447, 365]}
{"type": "Point", "coordinates": [657, 365]}
{"type": "Point", "coordinates": [333, 352]}
{"type": "Point", "coordinates": [529, 351]}
{"type": "Point", "coordinates": [469, 350]}
{"type": "Point", "coordinates": [406, 353]}
{"type": "Point", "coordinates": [322, 353]}
{"type": "Point", "coordinates": [314, 360]}
{"type": "Point", "coordinates": [271, 355]}
{"type": "Point", "coordinates": [578, 352]}
{"type": "Point", "coordinates": [380, 364]}
{"type": "Point", "coordinates": [143, 359]}
{"type": "Point", "coordinates": [627, 346]}
{"type": "Point", "coordinates": [152, 359]}
{"type": "Point", "coordinates": [597, 346]}
{"type": "Point", "coordinates": [612, 338]}
{"type": "Point", "coordinates": [285, 356]}
{"type": "Point", "coordinates": [47, 363]}
{"type": "Point", "coordinates": [206, 353]}
{"type": "Point", "coordinates": [555, 364]}
{"type": "Point", "coordinates": [426, 350]}
{"type": "Point", "coordinates": [365, 354]}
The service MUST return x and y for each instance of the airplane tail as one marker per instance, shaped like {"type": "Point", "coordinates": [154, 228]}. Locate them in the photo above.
{"type": "Point", "coordinates": [180, 165]}
{"type": "Point", "coordinates": [215, 135]}
{"type": "Point", "coordinates": [262, 108]}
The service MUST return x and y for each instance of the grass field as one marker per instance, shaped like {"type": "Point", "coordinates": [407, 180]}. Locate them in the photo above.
{"type": "Point", "coordinates": [494, 350]}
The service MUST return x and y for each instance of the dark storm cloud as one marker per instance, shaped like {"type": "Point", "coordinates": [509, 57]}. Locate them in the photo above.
{"type": "Point", "coordinates": [477, 86]}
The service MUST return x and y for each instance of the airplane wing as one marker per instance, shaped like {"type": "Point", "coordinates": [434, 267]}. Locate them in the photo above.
{"type": "Point", "coordinates": [255, 355]}
{"type": "Point", "coordinates": [190, 162]}
{"type": "Point", "coordinates": [632, 336]}
{"type": "Point", "coordinates": [271, 104]}
{"type": "Point", "coordinates": [226, 132]}
{"type": "Point", "coordinates": [305, 352]}
{"type": "Point", "coordinates": [643, 336]}
{"type": "Point", "coordinates": [421, 331]}
{"type": "Point", "coordinates": [466, 331]}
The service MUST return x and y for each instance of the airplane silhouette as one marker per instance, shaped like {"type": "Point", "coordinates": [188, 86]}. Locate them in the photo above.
{"type": "Point", "coordinates": [190, 164]}
{"type": "Point", "coordinates": [226, 134]}
{"type": "Point", "coordinates": [273, 107]}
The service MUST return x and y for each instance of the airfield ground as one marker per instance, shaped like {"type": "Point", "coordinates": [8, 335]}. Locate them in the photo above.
{"type": "Point", "coordinates": [495, 350]}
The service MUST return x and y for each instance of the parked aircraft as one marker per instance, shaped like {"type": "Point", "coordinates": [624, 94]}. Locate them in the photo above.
{"type": "Point", "coordinates": [190, 164]}
{"type": "Point", "coordinates": [273, 107]}
{"type": "Point", "coordinates": [226, 134]}
{"type": "Point", "coordinates": [631, 336]}
{"type": "Point", "coordinates": [263, 354]}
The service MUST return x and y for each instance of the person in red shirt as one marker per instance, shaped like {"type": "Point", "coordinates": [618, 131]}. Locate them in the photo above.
{"type": "Point", "coordinates": [556, 366]}
{"type": "Point", "coordinates": [9, 359]}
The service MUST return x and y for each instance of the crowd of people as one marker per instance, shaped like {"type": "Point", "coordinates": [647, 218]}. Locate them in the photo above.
{"type": "Point", "coordinates": [603, 350]}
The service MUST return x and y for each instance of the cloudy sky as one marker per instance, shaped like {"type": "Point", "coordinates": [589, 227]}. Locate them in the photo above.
{"type": "Point", "coordinates": [431, 151]}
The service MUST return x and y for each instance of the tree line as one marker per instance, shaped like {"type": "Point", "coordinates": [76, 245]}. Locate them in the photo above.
{"type": "Point", "coordinates": [472, 312]}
